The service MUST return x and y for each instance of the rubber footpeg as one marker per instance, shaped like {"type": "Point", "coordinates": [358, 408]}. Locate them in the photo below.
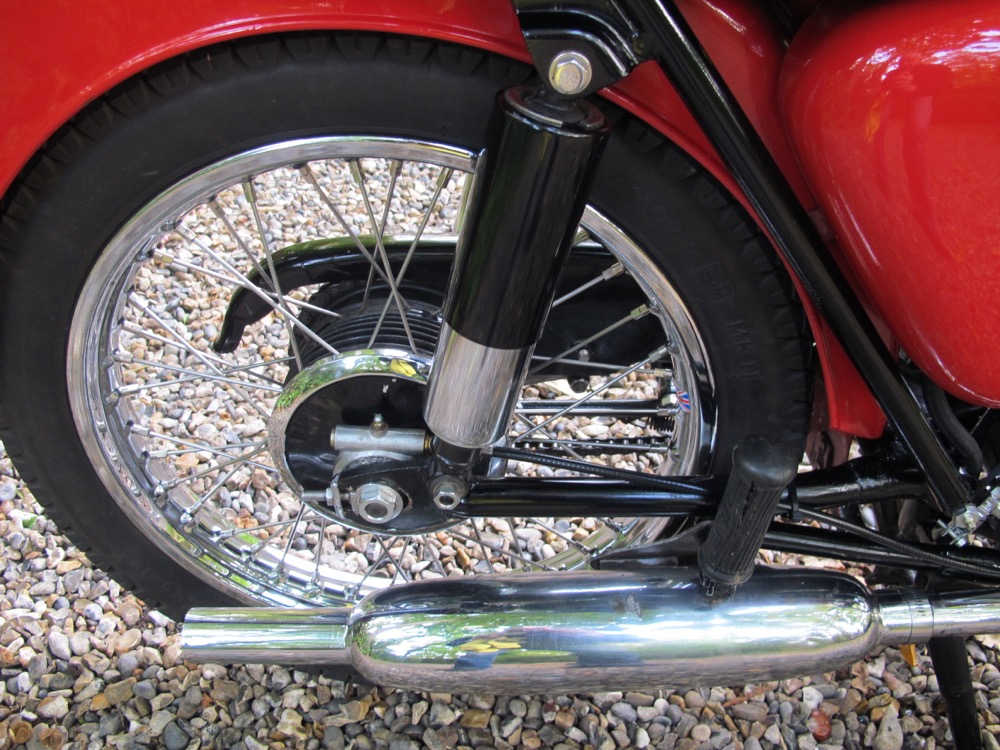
{"type": "Point", "coordinates": [762, 468]}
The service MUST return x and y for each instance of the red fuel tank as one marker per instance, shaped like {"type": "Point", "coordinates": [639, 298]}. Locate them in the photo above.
{"type": "Point", "coordinates": [894, 111]}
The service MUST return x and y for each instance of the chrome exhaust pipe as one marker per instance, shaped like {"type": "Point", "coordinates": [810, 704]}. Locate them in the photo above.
{"type": "Point", "coordinates": [592, 631]}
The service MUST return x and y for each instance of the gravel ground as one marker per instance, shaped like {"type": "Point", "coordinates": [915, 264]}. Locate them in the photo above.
{"type": "Point", "coordinates": [86, 665]}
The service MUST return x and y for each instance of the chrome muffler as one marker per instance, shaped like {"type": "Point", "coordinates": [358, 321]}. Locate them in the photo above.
{"type": "Point", "coordinates": [591, 631]}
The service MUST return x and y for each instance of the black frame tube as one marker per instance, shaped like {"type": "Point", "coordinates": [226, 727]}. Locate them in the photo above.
{"type": "Point", "coordinates": [856, 482]}
{"type": "Point", "coordinates": [839, 545]}
{"type": "Point", "coordinates": [731, 133]}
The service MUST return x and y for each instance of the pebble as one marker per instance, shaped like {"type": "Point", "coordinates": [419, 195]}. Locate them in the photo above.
{"type": "Point", "coordinates": [158, 722]}
{"type": "Point", "coordinates": [642, 739]}
{"type": "Point", "coordinates": [175, 738]}
{"type": "Point", "coordinates": [890, 733]}
{"type": "Point", "coordinates": [647, 714]}
{"type": "Point", "coordinates": [625, 712]}
{"type": "Point", "coordinates": [812, 698]}
{"type": "Point", "coordinates": [79, 642]}
{"type": "Point", "coordinates": [694, 699]}
{"type": "Point", "coordinates": [441, 715]}
{"type": "Point", "coordinates": [53, 707]}
{"type": "Point", "coordinates": [475, 718]}
{"type": "Point", "coordinates": [8, 491]}
{"type": "Point", "coordinates": [773, 734]}
{"type": "Point", "coordinates": [749, 711]}
{"type": "Point", "coordinates": [119, 692]}
{"type": "Point", "coordinates": [701, 733]}
{"type": "Point", "coordinates": [59, 644]}
{"type": "Point", "coordinates": [819, 725]}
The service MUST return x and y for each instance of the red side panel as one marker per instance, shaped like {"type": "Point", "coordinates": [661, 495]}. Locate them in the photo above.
{"type": "Point", "coordinates": [894, 110]}
{"type": "Point", "coordinates": [746, 46]}
{"type": "Point", "coordinates": [58, 55]}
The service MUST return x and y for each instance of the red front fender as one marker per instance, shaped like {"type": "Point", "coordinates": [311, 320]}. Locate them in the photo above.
{"type": "Point", "coordinates": [60, 55]}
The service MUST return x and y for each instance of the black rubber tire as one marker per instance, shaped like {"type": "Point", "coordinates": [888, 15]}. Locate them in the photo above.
{"type": "Point", "coordinates": [189, 112]}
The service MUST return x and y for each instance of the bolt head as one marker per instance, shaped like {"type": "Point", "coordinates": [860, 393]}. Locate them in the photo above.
{"type": "Point", "coordinates": [448, 492]}
{"type": "Point", "coordinates": [570, 73]}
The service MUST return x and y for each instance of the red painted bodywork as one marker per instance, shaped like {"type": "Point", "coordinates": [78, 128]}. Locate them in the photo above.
{"type": "Point", "coordinates": [894, 111]}
{"type": "Point", "coordinates": [59, 55]}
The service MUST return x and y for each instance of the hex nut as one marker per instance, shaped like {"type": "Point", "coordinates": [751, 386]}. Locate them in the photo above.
{"type": "Point", "coordinates": [377, 503]}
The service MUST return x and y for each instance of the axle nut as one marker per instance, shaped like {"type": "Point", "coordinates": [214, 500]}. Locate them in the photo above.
{"type": "Point", "coordinates": [377, 503]}
{"type": "Point", "coordinates": [570, 73]}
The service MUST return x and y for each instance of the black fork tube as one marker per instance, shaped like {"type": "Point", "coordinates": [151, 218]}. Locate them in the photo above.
{"type": "Point", "coordinates": [529, 196]}
{"type": "Point", "coordinates": [733, 136]}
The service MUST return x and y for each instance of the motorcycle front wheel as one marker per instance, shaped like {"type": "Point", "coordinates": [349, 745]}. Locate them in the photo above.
{"type": "Point", "coordinates": [273, 220]}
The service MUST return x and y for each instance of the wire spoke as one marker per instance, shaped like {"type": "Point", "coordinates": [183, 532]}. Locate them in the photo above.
{"type": "Point", "coordinates": [443, 179]}
{"type": "Point", "coordinates": [483, 547]}
{"type": "Point", "coordinates": [528, 423]}
{"type": "Point", "coordinates": [229, 533]}
{"type": "Point", "coordinates": [591, 365]}
{"type": "Point", "coordinates": [137, 330]}
{"type": "Point", "coordinates": [251, 194]}
{"type": "Point", "coordinates": [397, 568]}
{"type": "Point", "coordinates": [599, 446]}
{"type": "Point", "coordinates": [303, 305]}
{"type": "Point", "coordinates": [373, 567]}
{"type": "Point", "coordinates": [319, 552]}
{"type": "Point", "coordinates": [125, 358]}
{"type": "Point", "coordinates": [244, 283]}
{"type": "Point", "coordinates": [609, 408]}
{"type": "Point", "coordinates": [517, 541]}
{"type": "Point", "coordinates": [616, 270]}
{"type": "Point", "coordinates": [396, 166]}
{"type": "Point", "coordinates": [217, 209]}
{"type": "Point", "coordinates": [205, 360]}
{"type": "Point", "coordinates": [612, 381]}
{"type": "Point", "coordinates": [311, 177]}
{"type": "Point", "coordinates": [281, 304]}
{"type": "Point", "coordinates": [164, 256]}
{"type": "Point", "coordinates": [436, 562]}
{"type": "Point", "coordinates": [274, 305]}
{"type": "Point", "coordinates": [178, 481]}
{"type": "Point", "coordinates": [291, 537]}
{"type": "Point", "coordinates": [380, 248]}
{"type": "Point", "coordinates": [198, 447]}
{"type": "Point", "coordinates": [637, 314]}
{"type": "Point", "coordinates": [200, 502]}
{"type": "Point", "coordinates": [569, 540]}
{"type": "Point", "coordinates": [193, 375]}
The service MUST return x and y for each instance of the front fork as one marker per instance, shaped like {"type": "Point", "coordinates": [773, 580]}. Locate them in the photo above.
{"type": "Point", "coordinates": [530, 191]}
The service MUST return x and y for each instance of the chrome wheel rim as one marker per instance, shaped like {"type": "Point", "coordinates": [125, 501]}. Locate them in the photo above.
{"type": "Point", "coordinates": [177, 433]}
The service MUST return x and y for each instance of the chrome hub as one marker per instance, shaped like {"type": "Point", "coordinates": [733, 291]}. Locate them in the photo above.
{"type": "Point", "coordinates": [375, 484]}
{"type": "Point", "coordinates": [349, 390]}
